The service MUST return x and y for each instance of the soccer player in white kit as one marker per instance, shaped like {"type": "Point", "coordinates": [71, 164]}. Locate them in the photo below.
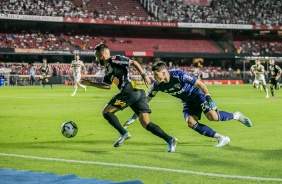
{"type": "Point", "coordinates": [77, 66]}
{"type": "Point", "coordinates": [258, 71]}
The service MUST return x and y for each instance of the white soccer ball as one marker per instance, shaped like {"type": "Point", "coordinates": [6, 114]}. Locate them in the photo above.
{"type": "Point", "coordinates": [69, 129]}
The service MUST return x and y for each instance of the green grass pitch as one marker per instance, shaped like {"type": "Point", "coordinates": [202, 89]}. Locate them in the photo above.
{"type": "Point", "coordinates": [30, 137]}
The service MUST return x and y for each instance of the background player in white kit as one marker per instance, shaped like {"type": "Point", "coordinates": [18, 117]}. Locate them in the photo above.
{"type": "Point", "coordinates": [258, 71]}
{"type": "Point", "coordinates": [77, 66]}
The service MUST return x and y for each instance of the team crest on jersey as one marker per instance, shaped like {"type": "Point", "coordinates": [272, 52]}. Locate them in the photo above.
{"type": "Point", "coordinates": [177, 86]}
{"type": "Point", "coordinates": [119, 103]}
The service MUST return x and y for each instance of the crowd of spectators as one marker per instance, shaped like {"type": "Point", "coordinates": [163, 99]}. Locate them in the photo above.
{"type": "Point", "coordinates": [34, 39]}
{"type": "Point", "coordinates": [259, 46]}
{"type": "Point", "coordinates": [259, 12]}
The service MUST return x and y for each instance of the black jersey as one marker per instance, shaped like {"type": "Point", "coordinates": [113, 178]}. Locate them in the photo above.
{"type": "Point", "coordinates": [275, 71]}
{"type": "Point", "coordinates": [44, 68]}
{"type": "Point", "coordinates": [117, 71]}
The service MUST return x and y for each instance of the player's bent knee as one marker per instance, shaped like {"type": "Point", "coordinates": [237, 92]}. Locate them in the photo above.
{"type": "Point", "coordinates": [144, 123]}
{"type": "Point", "coordinates": [212, 116]}
{"type": "Point", "coordinates": [107, 115]}
{"type": "Point", "coordinates": [191, 124]}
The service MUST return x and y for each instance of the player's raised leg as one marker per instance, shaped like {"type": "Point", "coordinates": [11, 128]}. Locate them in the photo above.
{"type": "Point", "coordinates": [243, 119]}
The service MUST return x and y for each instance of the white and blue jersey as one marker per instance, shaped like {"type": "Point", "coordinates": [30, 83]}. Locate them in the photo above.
{"type": "Point", "coordinates": [182, 85]}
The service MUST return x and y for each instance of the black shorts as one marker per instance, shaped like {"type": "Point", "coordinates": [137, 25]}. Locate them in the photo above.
{"type": "Point", "coordinates": [274, 82]}
{"type": "Point", "coordinates": [134, 98]}
{"type": "Point", "coordinates": [43, 76]}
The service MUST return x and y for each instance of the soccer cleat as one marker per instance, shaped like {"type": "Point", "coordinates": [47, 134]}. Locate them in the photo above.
{"type": "Point", "coordinates": [267, 96]}
{"type": "Point", "coordinates": [128, 122]}
{"type": "Point", "coordinates": [172, 144]}
{"type": "Point", "coordinates": [243, 119]}
{"type": "Point", "coordinates": [273, 97]}
{"type": "Point", "coordinates": [224, 140]}
{"type": "Point", "coordinates": [85, 89]}
{"type": "Point", "coordinates": [73, 94]}
{"type": "Point", "coordinates": [121, 139]}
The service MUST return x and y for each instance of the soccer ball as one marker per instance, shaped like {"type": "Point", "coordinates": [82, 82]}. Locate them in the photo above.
{"type": "Point", "coordinates": [69, 129]}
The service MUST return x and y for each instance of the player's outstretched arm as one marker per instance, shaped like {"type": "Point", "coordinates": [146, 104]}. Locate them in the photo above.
{"type": "Point", "coordinates": [138, 67]}
{"type": "Point", "coordinates": [95, 84]}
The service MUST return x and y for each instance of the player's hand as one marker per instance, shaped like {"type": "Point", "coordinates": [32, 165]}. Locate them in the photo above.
{"type": "Point", "coordinates": [147, 82]}
{"type": "Point", "coordinates": [211, 103]}
{"type": "Point", "coordinates": [146, 79]}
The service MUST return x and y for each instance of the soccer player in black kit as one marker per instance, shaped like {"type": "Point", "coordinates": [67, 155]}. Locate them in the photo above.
{"type": "Point", "coordinates": [44, 69]}
{"type": "Point", "coordinates": [130, 95]}
{"type": "Point", "coordinates": [275, 72]}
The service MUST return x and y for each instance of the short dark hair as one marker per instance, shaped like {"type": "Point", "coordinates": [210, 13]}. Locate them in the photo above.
{"type": "Point", "coordinates": [100, 46]}
{"type": "Point", "coordinates": [159, 65]}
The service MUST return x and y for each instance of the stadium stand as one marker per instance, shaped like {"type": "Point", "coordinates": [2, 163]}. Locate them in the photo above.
{"type": "Point", "coordinates": [70, 38]}
{"type": "Point", "coordinates": [260, 12]}
{"type": "Point", "coordinates": [258, 45]}
{"type": "Point", "coordinates": [121, 41]}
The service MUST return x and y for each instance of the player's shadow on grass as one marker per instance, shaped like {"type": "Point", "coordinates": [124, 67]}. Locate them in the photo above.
{"type": "Point", "coordinates": [265, 154]}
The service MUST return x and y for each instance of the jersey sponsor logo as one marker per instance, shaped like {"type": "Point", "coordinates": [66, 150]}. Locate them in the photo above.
{"type": "Point", "coordinates": [119, 103]}
{"type": "Point", "coordinates": [190, 78]}
{"type": "Point", "coordinates": [176, 92]}
{"type": "Point", "coordinates": [178, 86]}
{"type": "Point", "coordinates": [119, 62]}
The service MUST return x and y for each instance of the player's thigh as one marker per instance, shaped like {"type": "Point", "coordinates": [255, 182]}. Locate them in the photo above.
{"type": "Point", "coordinates": [76, 78]}
{"type": "Point", "coordinates": [262, 81]}
{"type": "Point", "coordinates": [141, 104]}
{"type": "Point", "coordinates": [122, 100]}
{"type": "Point", "coordinates": [109, 108]}
{"type": "Point", "coordinates": [192, 111]}
{"type": "Point", "coordinates": [144, 119]}
{"type": "Point", "coordinates": [256, 82]}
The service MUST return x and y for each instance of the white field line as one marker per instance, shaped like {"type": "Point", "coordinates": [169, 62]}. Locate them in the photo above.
{"type": "Point", "coordinates": [143, 167]}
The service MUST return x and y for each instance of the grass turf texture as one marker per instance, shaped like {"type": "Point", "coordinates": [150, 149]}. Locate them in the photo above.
{"type": "Point", "coordinates": [31, 117]}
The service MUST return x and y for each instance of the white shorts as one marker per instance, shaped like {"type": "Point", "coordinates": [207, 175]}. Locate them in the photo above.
{"type": "Point", "coordinates": [260, 81]}
{"type": "Point", "coordinates": [77, 78]}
